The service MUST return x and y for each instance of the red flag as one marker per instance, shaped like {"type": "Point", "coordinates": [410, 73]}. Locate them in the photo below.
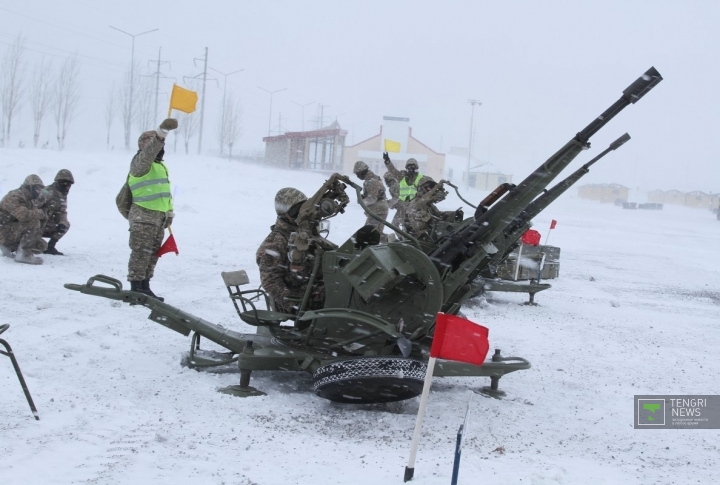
{"type": "Point", "coordinates": [459, 339]}
{"type": "Point", "coordinates": [531, 237]}
{"type": "Point", "coordinates": [553, 224]}
{"type": "Point", "coordinates": [168, 246]}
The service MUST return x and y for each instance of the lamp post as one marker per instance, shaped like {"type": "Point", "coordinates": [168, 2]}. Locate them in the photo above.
{"type": "Point", "coordinates": [132, 81]}
{"type": "Point", "coordinates": [302, 110]}
{"type": "Point", "coordinates": [223, 125]}
{"type": "Point", "coordinates": [271, 96]}
{"type": "Point", "coordinates": [473, 102]}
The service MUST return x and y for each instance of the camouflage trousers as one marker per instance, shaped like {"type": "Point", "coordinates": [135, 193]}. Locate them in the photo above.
{"type": "Point", "coordinates": [23, 236]}
{"type": "Point", "coordinates": [51, 230]}
{"type": "Point", "coordinates": [399, 217]}
{"type": "Point", "coordinates": [145, 240]}
{"type": "Point", "coordinates": [380, 209]}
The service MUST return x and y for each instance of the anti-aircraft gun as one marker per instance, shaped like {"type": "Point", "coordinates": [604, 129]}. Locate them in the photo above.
{"type": "Point", "coordinates": [370, 339]}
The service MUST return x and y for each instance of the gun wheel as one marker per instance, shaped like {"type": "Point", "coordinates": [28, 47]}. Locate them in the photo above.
{"type": "Point", "coordinates": [365, 380]}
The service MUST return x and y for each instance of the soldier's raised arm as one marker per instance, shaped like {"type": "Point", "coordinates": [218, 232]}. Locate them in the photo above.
{"type": "Point", "coordinates": [391, 167]}
{"type": "Point", "coordinates": [152, 142]}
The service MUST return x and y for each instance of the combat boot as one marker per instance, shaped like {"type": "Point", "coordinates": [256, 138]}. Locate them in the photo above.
{"type": "Point", "coordinates": [146, 289]}
{"type": "Point", "coordinates": [27, 258]}
{"type": "Point", "coordinates": [51, 248]}
{"type": "Point", "coordinates": [6, 251]}
{"type": "Point", "coordinates": [137, 286]}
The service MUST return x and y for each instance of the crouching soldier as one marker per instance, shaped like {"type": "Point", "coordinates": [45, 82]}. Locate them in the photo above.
{"type": "Point", "coordinates": [421, 215]}
{"type": "Point", "coordinates": [22, 221]}
{"type": "Point", "coordinates": [55, 206]}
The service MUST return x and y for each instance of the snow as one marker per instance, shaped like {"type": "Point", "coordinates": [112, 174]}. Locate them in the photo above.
{"type": "Point", "coordinates": [635, 311]}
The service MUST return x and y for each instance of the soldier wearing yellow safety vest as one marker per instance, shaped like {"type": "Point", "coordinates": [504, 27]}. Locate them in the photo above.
{"type": "Point", "coordinates": [408, 181]}
{"type": "Point", "coordinates": [152, 209]}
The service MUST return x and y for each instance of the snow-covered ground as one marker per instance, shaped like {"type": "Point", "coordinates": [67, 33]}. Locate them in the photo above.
{"type": "Point", "coordinates": [635, 311]}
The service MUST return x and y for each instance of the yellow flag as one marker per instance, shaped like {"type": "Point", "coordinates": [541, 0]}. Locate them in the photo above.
{"type": "Point", "coordinates": [183, 99]}
{"type": "Point", "coordinates": [392, 146]}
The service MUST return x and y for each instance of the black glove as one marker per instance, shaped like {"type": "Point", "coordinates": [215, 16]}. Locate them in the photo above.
{"type": "Point", "coordinates": [386, 157]}
{"type": "Point", "coordinates": [459, 215]}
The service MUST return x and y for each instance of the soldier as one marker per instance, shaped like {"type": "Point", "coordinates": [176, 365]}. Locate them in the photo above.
{"type": "Point", "coordinates": [408, 181]}
{"type": "Point", "coordinates": [421, 215]}
{"type": "Point", "coordinates": [373, 195]}
{"type": "Point", "coordinates": [152, 210]}
{"type": "Point", "coordinates": [55, 206]}
{"type": "Point", "coordinates": [22, 221]}
{"type": "Point", "coordinates": [277, 277]}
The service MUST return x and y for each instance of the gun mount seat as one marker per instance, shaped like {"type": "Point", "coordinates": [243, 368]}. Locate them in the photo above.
{"type": "Point", "coordinates": [250, 314]}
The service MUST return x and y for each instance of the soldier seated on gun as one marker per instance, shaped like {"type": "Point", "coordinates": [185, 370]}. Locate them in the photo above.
{"type": "Point", "coordinates": [421, 215]}
{"type": "Point", "coordinates": [55, 206]}
{"type": "Point", "coordinates": [22, 221]}
{"type": "Point", "coordinates": [286, 256]}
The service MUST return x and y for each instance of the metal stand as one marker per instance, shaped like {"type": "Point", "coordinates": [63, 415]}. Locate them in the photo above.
{"type": "Point", "coordinates": [244, 389]}
{"type": "Point", "coordinates": [493, 390]}
{"type": "Point", "coordinates": [9, 353]}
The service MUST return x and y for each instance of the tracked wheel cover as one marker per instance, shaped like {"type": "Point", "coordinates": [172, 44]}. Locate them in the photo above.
{"type": "Point", "coordinates": [370, 379]}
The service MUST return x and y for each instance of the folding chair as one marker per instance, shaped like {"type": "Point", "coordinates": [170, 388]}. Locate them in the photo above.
{"type": "Point", "coordinates": [249, 313]}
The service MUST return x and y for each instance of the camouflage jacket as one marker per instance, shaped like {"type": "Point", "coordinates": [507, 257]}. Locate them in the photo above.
{"type": "Point", "coordinates": [56, 205]}
{"type": "Point", "coordinates": [279, 279]}
{"type": "Point", "coordinates": [393, 186]}
{"type": "Point", "coordinates": [19, 205]}
{"type": "Point", "coordinates": [373, 189]}
{"type": "Point", "coordinates": [421, 215]}
{"type": "Point", "coordinates": [140, 165]}
{"type": "Point", "coordinates": [398, 175]}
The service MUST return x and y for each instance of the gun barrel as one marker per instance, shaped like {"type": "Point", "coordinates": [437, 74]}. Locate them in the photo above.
{"type": "Point", "coordinates": [489, 224]}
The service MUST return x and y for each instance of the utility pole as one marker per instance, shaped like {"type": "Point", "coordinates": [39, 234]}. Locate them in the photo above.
{"type": "Point", "coordinates": [271, 97]}
{"type": "Point", "coordinates": [157, 75]}
{"type": "Point", "coordinates": [202, 101]}
{"type": "Point", "coordinates": [473, 102]}
{"type": "Point", "coordinates": [223, 122]}
{"type": "Point", "coordinates": [321, 119]}
{"type": "Point", "coordinates": [302, 110]}
{"type": "Point", "coordinates": [128, 122]}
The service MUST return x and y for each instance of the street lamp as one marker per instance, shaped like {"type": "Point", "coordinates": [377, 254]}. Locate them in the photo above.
{"type": "Point", "coordinates": [473, 102]}
{"type": "Point", "coordinates": [223, 121]}
{"type": "Point", "coordinates": [302, 109]}
{"type": "Point", "coordinates": [271, 96]}
{"type": "Point", "coordinates": [132, 81]}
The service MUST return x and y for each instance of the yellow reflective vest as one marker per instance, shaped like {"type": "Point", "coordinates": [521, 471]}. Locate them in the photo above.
{"type": "Point", "coordinates": [408, 192]}
{"type": "Point", "coordinates": [152, 190]}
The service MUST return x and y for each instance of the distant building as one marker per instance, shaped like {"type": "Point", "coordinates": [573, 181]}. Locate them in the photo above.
{"type": "Point", "coordinates": [319, 150]}
{"type": "Point", "coordinates": [604, 192]}
{"type": "Point", "coordinates": [656, 196]}
{"type": "Point", "coordinates": [697, 198]}
{"type": "Point", "coordinates": [394, 130]}
{"type": "Point", "coordinates": [674, 197]}
{"type": "Point", "coordinates": [483, 176]}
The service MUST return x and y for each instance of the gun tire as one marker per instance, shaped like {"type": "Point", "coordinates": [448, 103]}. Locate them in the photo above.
{"type": "Point", "coordinates": [364, 380]}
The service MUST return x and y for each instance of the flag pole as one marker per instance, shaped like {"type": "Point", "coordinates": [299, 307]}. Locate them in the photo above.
{"type": "Point", "coordinates": [548, 234]}
{"type": "Point", "coordinates": [410, 468]}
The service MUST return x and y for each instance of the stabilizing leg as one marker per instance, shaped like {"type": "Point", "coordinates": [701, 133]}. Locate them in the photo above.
{"type": "Point", "coordinates": [8, 352]}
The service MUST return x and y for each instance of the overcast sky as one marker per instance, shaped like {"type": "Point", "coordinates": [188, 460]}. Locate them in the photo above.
{"type": "Point", "coordinates": [542, 70]}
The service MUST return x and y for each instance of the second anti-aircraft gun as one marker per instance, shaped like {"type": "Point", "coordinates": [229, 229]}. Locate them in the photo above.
{"type": "Point", "coordinates": [365, 337]}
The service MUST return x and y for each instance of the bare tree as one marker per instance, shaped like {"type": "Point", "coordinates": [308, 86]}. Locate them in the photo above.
{"type": "Point", "coordinates": [125, 103]}
{"type": "Point", "coordinates": [111, 103]}
{"type": "Point", "coordinates": [232, 125]}
{"type": "Point", "coordinates": [40, 96]}
{"type": "Point", "coordinates": [67, 96]}
{"type": "Point", "coordinates": [11, 85]}
{"type": "Point", "coordinates": [188, 126]}
{"type": "Point", "coordinates": [144, 105]}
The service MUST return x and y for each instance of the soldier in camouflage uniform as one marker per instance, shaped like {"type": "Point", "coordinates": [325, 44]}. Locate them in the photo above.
{"type": "Point", "coordinates": [408, 181]}
{"type": "Point", "coordinates": [22, 220]}
{"type": "Point", "coordinates": [284, 284]}
{"type": "Point", "coordinates": [151, 211]}
{"type": "Point", "coordinates": [55, 207]}
{"type": "Point", "coordinates": [373, 195]}
{"type": "Point", "coordinates": [421, 215]}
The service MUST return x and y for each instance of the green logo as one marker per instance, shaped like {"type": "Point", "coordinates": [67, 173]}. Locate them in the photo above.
{"type": "Point", "coordinates": [652, 408]}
